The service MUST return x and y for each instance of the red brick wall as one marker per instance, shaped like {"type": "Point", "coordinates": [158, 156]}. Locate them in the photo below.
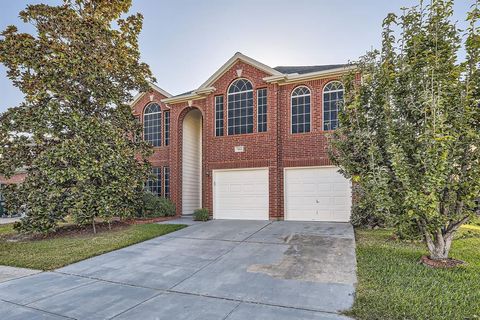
{"type": "Point", "coordinates": [277, 148]}
{"type": "Point", "coordinates": [16, 178]}
{"type": "Point", "coordinates": [160, 156]}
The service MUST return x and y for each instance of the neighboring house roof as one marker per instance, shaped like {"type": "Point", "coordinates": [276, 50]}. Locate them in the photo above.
{"type": "Point", "coordinates": [155, 88]}
{"type": "Point", "coordinates": [308, 69]}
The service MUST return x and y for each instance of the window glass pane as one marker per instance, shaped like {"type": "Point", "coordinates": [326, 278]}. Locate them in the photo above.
{"type": "Point", "coordinates": [262, 110]}
{"type": "Point", "coordinates": [219, 115]}
{"type": "Point", "coordinates": [166, 178]}
{"type": "Point", "coordinates": [240, 107]}
{"type": "Point", "coordinates": [332, 100]}
{"type": "Point", "coordinates": [300, 110]}
{"type": "Point", "coordinates": [166, 117]}
{"type": "Point", "coordinates": [154, 182]}
{"type": "Point", "coordinates": [152, 119]}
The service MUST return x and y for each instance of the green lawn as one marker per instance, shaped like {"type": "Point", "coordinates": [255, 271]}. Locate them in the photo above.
{"type": "Point", "coordinates": [393, 285]}
{"type": "Point", "coordinates": [57, 252]}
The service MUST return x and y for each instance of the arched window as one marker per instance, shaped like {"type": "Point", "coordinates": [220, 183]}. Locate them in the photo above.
{"type": "Point", "coordinates": [240, 107]}
{"type": "Point", "coordinates": [152, 125]}
{"type": "Point", "coordinates": [332, 99]}
{"type": "Point", "coordinates": [301, 110]}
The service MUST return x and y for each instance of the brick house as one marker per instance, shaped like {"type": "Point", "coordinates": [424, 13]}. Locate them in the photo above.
{"type": "Point", "coordinates": [249, 143]}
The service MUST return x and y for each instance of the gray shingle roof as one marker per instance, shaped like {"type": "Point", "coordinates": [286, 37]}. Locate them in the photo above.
{"type": "Point", "coordinates": [307, 69]}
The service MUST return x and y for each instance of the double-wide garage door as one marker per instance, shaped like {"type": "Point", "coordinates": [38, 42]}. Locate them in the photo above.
{"type": "Point", "coordinates": [311, 194]}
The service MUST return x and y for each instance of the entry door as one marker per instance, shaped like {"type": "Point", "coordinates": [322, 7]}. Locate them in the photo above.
{"type": "Point", "coordinates": [317, 194]}
{"type": "Point", "coordinates": [240, 194]}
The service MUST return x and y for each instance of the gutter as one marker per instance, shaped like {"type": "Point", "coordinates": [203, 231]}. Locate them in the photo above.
{"type": "Point", "coordinates": [295, 77]}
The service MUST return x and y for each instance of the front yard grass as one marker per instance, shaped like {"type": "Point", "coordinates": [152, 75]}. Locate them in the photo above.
{"type": "Point", "coordinates": [393, 285]}
{"type": "Point", "coordinates": [56, 252]}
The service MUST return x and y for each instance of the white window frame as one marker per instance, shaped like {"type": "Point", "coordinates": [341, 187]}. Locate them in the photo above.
{"type": "Point", "coordinates": [266, 109]}
{"type": "Point", "coordinates": [160, 126]}
{"type": "Point", "coordinates": [291, 108]}
{"type": "Point", "coordinates": [323, 101]}
{"type": "Point", "coordinates": [228, 103]}
{"type": "Point", "coordinates": [223, 115]}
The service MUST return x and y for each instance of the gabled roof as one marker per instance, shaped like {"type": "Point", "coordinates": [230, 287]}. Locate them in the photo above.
{"type": "Point", "coordinates": [281, 75]}
{"type": "Point", "coordinates": [308, 69]}
{"type": "Point", "coordinates": [155, 88]}
{"type": "Point", "coordinates": [236, 57]}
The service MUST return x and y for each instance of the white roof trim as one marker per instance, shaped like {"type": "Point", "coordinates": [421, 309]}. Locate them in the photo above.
{"type": "Point", "coordinates": [295, 77]}
{"type": "Point", "coordinates": [154, 87]}
{"type": "Point", "coordinates": [194, 95]}
{"type": "Point", "coordinates": [231, 61]}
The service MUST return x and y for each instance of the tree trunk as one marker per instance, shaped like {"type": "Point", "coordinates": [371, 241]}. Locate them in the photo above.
{"type": "Point", "coordinates": [439, 244]}
{"type": "Point", "coordinates": [93, 224]}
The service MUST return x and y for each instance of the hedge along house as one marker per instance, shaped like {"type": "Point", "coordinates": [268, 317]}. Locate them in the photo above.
{"type": "Point", "coordinates": [249, 143]}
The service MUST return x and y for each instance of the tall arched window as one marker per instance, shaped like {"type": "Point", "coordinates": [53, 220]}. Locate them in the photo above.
{"type": "Point", "coordinates": [152, 125]}
{"type": "Point", "coordinates": [332, 98]}
{"type": "Point", "coordinates": [240, 107]}
{"type": "Point", "coordinates": [301, 110]}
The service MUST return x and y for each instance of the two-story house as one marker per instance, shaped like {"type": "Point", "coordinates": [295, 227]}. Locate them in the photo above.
{"type": "Point", "coordinates": [249, 143]}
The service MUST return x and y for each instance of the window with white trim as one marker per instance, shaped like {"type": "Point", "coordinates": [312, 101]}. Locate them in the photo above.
{"type": "Point", "coordinates": [166, 127]}
{"type": "Point", "coordinates": [219, 116]}
{"type": "Point", "coordinates": [332, 99]}
{"type": "Point", "coordinates": [154, 181]}
{"type": "Point", "coordinates": [301, 110]}
{"type": "Point", "coordinates": [152, 125]}
{"type": "Point", "coordinates": [240, 107]}
{"type": "Point", "coordinates": [166, 179]}
{"type": "Point", "coordinates": [262, 110]}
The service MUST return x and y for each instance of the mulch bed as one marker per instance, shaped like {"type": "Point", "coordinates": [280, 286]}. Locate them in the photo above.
{"type": "Point", "coordinates": [73, 230]}
{"type": "Point", "coordinates": [443, 264]}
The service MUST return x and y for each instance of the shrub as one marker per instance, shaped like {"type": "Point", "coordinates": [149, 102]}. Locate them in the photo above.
{"type": "Point", "coordinates": [154, 206]}
{"type": "Point", "coordinates": [201, 215]}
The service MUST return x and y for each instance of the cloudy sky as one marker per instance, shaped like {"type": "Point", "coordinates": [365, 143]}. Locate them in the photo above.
{"type": "Point", "coordinates": [185, 41]}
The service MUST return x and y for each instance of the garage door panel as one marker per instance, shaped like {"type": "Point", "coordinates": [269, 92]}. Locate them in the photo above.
{"type": "Point", "coordinates": [316, 194]}
{"type": "Point", "coordinates": [241, 194]}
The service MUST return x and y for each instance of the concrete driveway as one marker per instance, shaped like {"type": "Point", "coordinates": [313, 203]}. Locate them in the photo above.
{"type": "Point", "coordinates": [220, 269]}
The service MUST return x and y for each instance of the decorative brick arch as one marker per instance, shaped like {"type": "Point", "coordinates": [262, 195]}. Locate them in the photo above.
{"type": "Point", "coordinates": [176, 154]}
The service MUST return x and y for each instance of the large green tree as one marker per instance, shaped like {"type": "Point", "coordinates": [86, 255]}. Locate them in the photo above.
{"type": "Point", "coordinates": [410, 128]}
{"type": "Point", "coordinates": [73, 131]}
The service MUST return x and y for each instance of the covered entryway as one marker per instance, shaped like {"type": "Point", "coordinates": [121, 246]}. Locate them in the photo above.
{"type": "Point", "coordinates": [240, 194]}
{"type": "Point", "coordinates": [317, 194]}
{"type": "Point", "coordinates": [192, 162]}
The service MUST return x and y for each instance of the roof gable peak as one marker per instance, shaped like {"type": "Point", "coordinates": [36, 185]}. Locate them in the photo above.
{"type": "Point", "coordinates": [238, 56]}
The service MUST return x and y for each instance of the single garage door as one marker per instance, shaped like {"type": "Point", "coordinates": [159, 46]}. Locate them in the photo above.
{"type": "Point", "coordinates": [317, 194]}
{"type": "Point", "coordinates": [240, 194]}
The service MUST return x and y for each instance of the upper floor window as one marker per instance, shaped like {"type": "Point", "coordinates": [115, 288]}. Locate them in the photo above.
{"type": "Point", "coordinates": [301, 110]}
{"type": "Point", "coordinates": [332, 98]}
{"type": "Point", "coordinates": [219, 116]}
{"type": "Point", "coordinates": [152, 125]}
{"type": "Point", "coordinates": [240, 107]}
{"type": "Point", "coordinates": [166, 119]}
{"type": "Point", "coordinates": [262, 110]}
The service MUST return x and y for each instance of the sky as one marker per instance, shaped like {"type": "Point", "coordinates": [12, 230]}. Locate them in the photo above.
{"type": "Point", "coordinates": [185, 41]}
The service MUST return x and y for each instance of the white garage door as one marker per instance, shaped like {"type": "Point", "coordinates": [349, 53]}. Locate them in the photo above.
{"type": "Point", "coordinates": [240, 194]}
{"type": "Point", "coordinates": [317, 194]}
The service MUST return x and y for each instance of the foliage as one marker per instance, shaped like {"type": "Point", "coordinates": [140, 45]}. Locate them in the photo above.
{"type": "Point", "coordinates": [410, 129]}
{"type": "Point", "coordinates": [73, 131]}
{"type": "Point", "coordinates": [362, 210]}
{"type": "Point", "coordinates": [201, 215]}
{"type": "Point", "coordinates": [154, 206]}
{"type": "Point", "coordinates": [52, 253]}
{"type": "Point", "coordinates": [392, 285]}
